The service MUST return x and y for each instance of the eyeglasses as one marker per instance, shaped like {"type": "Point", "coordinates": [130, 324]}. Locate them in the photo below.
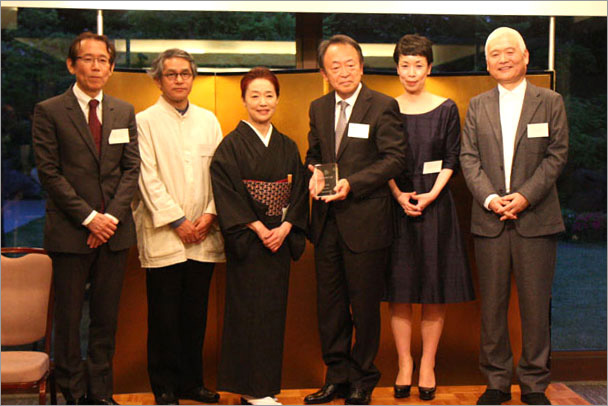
{"type": "Point", "coordinates": [102, 60]}
{"type": "Point", "coordinates": [173, 75]}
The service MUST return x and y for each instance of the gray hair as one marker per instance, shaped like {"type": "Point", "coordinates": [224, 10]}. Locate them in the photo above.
{"type": "Point", "coordinates": [158, 64]}
{"type": "Point", "coordinates": [500, 31]}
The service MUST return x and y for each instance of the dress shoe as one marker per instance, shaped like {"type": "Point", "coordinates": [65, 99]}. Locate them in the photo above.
{"type": "Point", "coordinates": [200, 394]}
{"type": "Point", "coordinates": [327, 393]}
{"type": "Point", "coordinates": [535, 398]}
{"type": "Point", "coordinates": [358, 396]}
{"type": "Point", "coordinates": [101, 401]}
{"type": "Point", "coordinates": [493, 397]}
{"type": "Point", "coordinates": [402, 391]}
{"type": "Point", "coordinates": [166, 398]}
{"type": "Point", "coordinates": [426, 393]}
{"type": "Point", "coordinates": [71, 401]}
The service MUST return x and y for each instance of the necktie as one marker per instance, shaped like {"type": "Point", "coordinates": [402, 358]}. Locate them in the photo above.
{"type": "Point", "coordinates": [94, 124]}
{"type": "Point", "coordinates": [341, 126]}
{"type": "Point", "coordinates": [95, 127]}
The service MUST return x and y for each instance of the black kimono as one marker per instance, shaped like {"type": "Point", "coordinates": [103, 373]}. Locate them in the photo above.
{"type": "Point", "coordinates": [250, 183]}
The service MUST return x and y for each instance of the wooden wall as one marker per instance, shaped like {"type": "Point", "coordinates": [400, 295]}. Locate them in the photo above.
{"type": "Point", "coordinates": [302, 364]}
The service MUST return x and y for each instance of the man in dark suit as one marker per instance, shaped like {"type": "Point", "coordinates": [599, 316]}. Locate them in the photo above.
{"type": "Point", "coordinates": [361, 131]}
{"type": "Point", "coordinates": [85, 144]}
{"type": "Point", "coordinates": [514, 146]}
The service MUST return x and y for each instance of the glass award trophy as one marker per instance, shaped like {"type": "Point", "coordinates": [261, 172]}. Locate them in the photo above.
{"type": "Point", "coordinates": [325, 179]}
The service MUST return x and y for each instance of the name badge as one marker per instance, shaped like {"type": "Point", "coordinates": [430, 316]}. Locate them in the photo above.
{"type": "Point", "coordinates": [538, 130]}
{"type": "Point", "coordinates": [356, 130]}
{"type": "Point", "coordinates": [432, 167]}
{"type": "Point", "coordinates": [119, 136]}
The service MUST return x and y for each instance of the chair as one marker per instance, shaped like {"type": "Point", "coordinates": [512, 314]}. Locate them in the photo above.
{"type": "Point", "coordinates": [27, 314]}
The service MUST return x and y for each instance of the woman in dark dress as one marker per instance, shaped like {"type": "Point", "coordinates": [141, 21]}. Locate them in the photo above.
{"type": "Point", "coordinates": [262, 205]}
{"type": "Point", "coordinates": [428, 260]}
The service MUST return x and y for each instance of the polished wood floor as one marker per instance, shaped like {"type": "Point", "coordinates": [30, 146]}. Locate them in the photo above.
{"type": "Point", "coordinates": [558, 393]}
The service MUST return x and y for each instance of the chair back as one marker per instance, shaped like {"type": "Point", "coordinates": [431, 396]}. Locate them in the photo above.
{"type": "Point", "coordinates": [26, 284]}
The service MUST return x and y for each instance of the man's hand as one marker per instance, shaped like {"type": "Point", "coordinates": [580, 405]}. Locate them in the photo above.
{"type": "Point", "coordinates": [497, 205]}
{"type": "Point", "coordinates": [102, 226]}
{"type": "Point", "coordinates": [342, 189]}
{"type": "Point", "coordinates": [188, 233]}
{"type": "Point", "coordinates": [93, 241]}
{"type": "Point", "coordinates": [203, 224]}
{"type": "Point", "coordinates": [515, 203]}
{"type": "Point", "coordinates": [317, 181]}
{"type": "Point", "coordinates": [275, 238]}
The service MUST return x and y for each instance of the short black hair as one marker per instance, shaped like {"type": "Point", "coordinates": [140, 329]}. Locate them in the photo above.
{"type": "Point", "coordinates": [75, 46]}
{"type": "Point", "coordinates": [337, 39]}
{"type": "Point", "coordinates": [414, 44]}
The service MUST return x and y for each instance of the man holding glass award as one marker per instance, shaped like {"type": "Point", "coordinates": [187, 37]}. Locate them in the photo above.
{"type": "Point", "coordinates": [356, 133]}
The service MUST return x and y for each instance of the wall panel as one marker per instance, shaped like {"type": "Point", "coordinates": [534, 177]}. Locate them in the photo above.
{"type": "Point", "coordinates": [302, 364]}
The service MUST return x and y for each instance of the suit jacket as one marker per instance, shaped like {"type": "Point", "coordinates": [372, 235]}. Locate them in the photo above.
{"type": "Point", "coordinates": [76, 178]}
{"type": "Point", "coordinates": [364, 218]}
{"type": "Point", "coordinates": [537, 162]}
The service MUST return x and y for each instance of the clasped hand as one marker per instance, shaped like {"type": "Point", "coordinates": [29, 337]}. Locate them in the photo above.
{"type": "Point", "coordinates": [274, 238]}
{"type": "Point", "coordinates": [422, 202]}
{"type": "Point", "coordinates": [194, 233]}
{"type": "Point", "coordinates": [102, 228]}
{"type": "Point", "coordinates": [507, 207]}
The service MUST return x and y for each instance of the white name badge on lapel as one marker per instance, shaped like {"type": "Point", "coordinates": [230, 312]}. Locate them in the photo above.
{"type": "Point", "coordinates": [538, 130]}
{"type": "Point", "coordinates": [432, 167]}
{"type": "Point", "coordinates": [119, 136]}
{"type": "Point", "coordinates": [356, 130]}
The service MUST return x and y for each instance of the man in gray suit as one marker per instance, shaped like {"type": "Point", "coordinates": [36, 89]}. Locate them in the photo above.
{"type": "Point", "coordinates": [514, 147]}
{"type": "Point", "coordinates": [85, 144]}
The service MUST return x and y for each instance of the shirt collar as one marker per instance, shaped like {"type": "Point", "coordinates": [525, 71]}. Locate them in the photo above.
{"type": "Point", "coordinates": [257, 132]}
{"type": "Point", "coordinates": [84, 98]}
{"type": "Point", "coordinates": [352, 99]}
{"type": "Point", "coordinates": [519, 91]}
{"type": "Point", "coordinates": [170, 107]}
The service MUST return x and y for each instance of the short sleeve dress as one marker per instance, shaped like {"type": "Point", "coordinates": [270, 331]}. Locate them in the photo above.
{"type": "Point", "coordinates": [428, 261]}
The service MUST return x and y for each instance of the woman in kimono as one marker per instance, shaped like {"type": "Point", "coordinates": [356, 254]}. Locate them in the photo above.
{"type": "Point", "coordinates": [262, 204]}
{"type": "Point", "coordinates": [429, 264]}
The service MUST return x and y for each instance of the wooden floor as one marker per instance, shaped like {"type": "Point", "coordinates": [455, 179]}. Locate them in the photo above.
{"type": "Point", "coordinates": [558, 393]}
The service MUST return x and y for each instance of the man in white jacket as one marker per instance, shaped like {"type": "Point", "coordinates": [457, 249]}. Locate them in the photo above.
{"type": "Point", "coordinates": [178, 236]}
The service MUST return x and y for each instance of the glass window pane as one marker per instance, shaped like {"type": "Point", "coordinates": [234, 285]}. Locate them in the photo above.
{"type": "Point", "coordinates": [34, 48]}
{"type": "Point", "coordinates": [458, 40]}
{"type": "Point", "coordinates": [215, 39]}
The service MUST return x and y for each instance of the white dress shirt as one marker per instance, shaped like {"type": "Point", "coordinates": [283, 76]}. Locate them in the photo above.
{"type": "Point", "coordinates": [349, 109]}
{"type": "Point", "coordinates": [510, 104]}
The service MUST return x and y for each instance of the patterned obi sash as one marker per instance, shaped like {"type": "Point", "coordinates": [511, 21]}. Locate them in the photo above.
{"type": "Point", "coordinates": [275, 195]}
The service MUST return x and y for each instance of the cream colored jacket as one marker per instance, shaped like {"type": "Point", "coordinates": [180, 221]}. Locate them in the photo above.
{"type": "Point", "coordinates": [174, 181]}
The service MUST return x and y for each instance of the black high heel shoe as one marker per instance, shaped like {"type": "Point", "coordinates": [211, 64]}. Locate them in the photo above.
{"type": "Point", "coordinates": [403, 391]}
{"type": "Point", "coordinates": [427, 393]}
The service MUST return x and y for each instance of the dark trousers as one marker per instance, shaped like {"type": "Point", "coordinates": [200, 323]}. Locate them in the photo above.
{"type": "Point", "coordinates": [532, 261]}
{"type": "Point", "coordinates": [345, 281]}
{"type": "Point", "coordinates": [177, 317]}
{"type": "Point", "coordinates": [105, 270]}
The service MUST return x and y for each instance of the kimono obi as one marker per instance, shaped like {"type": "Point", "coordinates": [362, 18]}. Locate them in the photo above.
{"type": "Point", "coordinates": [275, 195]}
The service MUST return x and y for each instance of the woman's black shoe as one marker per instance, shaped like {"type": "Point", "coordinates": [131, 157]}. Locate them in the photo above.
{"type": "Point", "coordinates": [427, 393]}
{"type": "Point", "coordinates": [402, 391]}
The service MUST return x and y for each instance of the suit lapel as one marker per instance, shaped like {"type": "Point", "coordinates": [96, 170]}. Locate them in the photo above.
{"type": "Point", "coordinates": [492, 107]}
{"type": "Point", "coordinates": [531, 103]}
{"type": "Point", "coordinates": [360, 109]}
{"type": "Point", "coordinates": [77, 116]}
{"type": "Point", "coordinates": [106, 125]}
